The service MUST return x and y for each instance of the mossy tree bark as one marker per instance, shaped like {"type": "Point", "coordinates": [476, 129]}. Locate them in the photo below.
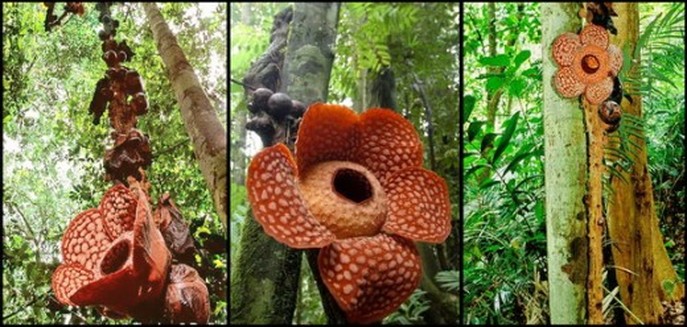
{"type": "Point", "coordinates": [266, 279]}
{"type": "Point", "coordinates": [565, 179]}
{"type": "Point", "coordinates": [307, 69]}
{"type": "Point", "coordinates": [200, 117]}
{"type": "Point", "coordinates": [633, 223]}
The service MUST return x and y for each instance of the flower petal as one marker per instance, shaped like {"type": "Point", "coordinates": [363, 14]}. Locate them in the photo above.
{"type": "Point", "coordinates": [325, 133]}
{"type": "Point", "coordinates": [594, 34]}
{"type": "Point", "coordinates": [567, 84]}
{"type": "Point", "coordinates": [85, 240]}
{"type": "Point", "coordinates": [419, 207]}
{"type": "Point", "coordinates": [119, 209]}
{"type": "Point", "coordinates": [370, 277]}
{"type": "Point", "coordinates": [564, 48]}
{"type": "Point", "coordinates": [117, 291]}
{"type": "Point", "coordinates": [597, 93]}
{"type": "Point", "coordinates": [67, 279]}
{"type": "Point", "coordinates": [616, 59]}
{"type": "Point", "coordinates": [151, 258]}
{"type": "Point", "coordinates": [387, 143]}
{"type": "Point", "coordinates": [277, 203]}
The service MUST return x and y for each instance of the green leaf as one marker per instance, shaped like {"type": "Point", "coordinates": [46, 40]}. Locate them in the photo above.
{"type": "Point", "coordinates": [488, 141]}
{"type": "Point", "coordinates": [468, 106]}
{"type": "Point", "coordinates": [474, 129]}
{"type": "Point", "coordinates": [501, 60]}
{"type": "Point", "coordinates": [494, 83]}
{"type": "Point", "coordinates": [505, 138]}
{"type": "Point", "coordinates": [516, 86]}
{"type": "Point", "coordinates": [519, 157]}
{"type": "Point", "coordinates": [474, 169]}
{"type": "Point", "coordinates": [521, 57]}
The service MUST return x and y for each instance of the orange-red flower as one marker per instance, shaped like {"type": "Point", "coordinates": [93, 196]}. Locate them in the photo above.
{"type": "Point", "coordinates": [587, 63]}
{"type": "Point", "coordinates": [114, 255]}
{"type": "Point", "coordinates": [357, 190]}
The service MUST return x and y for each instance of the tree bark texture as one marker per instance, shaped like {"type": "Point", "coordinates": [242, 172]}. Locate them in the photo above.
{"type": "Point", "coordinates": [200, 117]}
{"type": "Point", "coordinates": [596, 141]}
{"type": "Point", "coordinates": [633, 223]}
{"type": "Point", "coordinates": [565, 177]}
{"type": "Point", "coordinates": [307, 69]}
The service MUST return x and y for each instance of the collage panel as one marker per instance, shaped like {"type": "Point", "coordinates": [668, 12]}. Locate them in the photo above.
{"type": "Point", "coordinates": [573, 163]}
{"type": "Point", "coordinates": [344, 163]}
{"type": "Point", "coordinates": [114, 156]}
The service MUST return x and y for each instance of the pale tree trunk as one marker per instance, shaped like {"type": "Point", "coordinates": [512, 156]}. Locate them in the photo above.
{"type": "Point", "coordinates": [633, 223]}
{"type": "Point", "coordinates": [200, 117]}
{"type": "Point", "coordinates": [565, 179]}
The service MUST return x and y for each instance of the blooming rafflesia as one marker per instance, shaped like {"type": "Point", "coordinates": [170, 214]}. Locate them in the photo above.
{"type": "Point", "coordinates": [588, 63]}
{"type": "Point", "coordinates": [114, 255]}
{"type": "Point", "coordinates": [357, 190]}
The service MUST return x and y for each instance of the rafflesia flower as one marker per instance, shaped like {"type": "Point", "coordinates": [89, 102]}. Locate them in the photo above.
{"type": "Point", "coordinates": [357, 190]}
{"type": "Point", "coordinates": [588, 64]}
{"type": "Point", "coordinates": [114, 255]}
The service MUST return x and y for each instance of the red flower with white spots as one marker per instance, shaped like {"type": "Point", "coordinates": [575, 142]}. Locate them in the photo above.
{"type": "Point", "coordinates": [114, 255]}
{"type": "Point", "coordinates": [357, 190]}
{"type": "Point", "coordinates": [588, 63]}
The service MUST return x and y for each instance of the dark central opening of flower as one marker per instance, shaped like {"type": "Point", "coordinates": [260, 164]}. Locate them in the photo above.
{"type": "Point", "coordinates": [115, 258]}
{"type": "Point", "coordinates": [352, 185]}
{"type": "Point", "coordinates": [590, 64]}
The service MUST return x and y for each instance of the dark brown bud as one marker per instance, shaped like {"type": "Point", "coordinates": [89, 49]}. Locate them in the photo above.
{"type": "Point", "coordinates": [109, 45]}
{"type": "Point", "coordinates": [612, 128]}
{"type": "Point", "coordinates": [122, 56]}
{"type": "Point", "coordinates": [279, 105]}
{"type": "Point", "coordinates": [610, 112]}
{"type": "Point", "coordinates": [139, 103]}
{"type": "Point", "coordinates": [297, 108]}
{"type": "Point", "coordinates": [133, 82]}
{"type": "Point", "coordinates": [103, 35]}
{"type": "Point", "coordinates": [110, 58]}
{"type": "Point", "coordinates": [259, 100]}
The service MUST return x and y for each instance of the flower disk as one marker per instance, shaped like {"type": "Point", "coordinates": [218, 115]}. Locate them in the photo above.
{"type": "Point", "coordinates": [345, 197]}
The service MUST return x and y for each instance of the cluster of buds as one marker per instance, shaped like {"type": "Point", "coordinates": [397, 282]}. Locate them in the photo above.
{"type": "Point", "coordinates": [272, 110]}
{"type": "Point", "coordinates": [122, 93]}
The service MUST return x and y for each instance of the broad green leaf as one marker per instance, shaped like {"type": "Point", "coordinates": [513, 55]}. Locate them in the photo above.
{"type": "Point", "coordinates": [474, 129]}
{"type": "Point", "coordinates": [519, 157]}
{"type": "Point", "coordinates": [516, 86]}
{"type": "Point", "coordinates": [501, 60]}
{"type": "Point", "coordinates": [468, 106]}
{"type": "Point", "coordinates": [494, 83]}
{"type": "Point", "coordinates": [521, 57]}
{"type": "Point", "coordinates": [510, 126]}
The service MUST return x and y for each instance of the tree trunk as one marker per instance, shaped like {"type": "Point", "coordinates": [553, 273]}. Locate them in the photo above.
{"type": "Point", "coordinates": [565, 177]}
{"type": "Point", "coordinates": [310, 40]}
{"type": "Point", "coordinates": [633, 223]}
{"type": "Point", "coordinates": [264, 264]}
{"type": "Point", "coordinates": [200, 117]}
{"type": "Point", "coordinates": [311, 43]}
